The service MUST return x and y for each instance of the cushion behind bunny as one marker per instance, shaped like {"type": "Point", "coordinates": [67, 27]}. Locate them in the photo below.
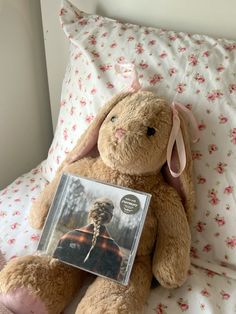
{"type": "Point", "coordinates": [125, 145]}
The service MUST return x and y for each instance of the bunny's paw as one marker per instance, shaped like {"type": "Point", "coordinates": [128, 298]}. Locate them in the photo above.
{"type": "Point", "coordinates": [171, 275]}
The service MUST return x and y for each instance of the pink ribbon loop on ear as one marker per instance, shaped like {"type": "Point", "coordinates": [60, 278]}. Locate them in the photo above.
{"type": "Point", "coordinates": [176, 137]}
{"type": "Point", "coordinates": [127, 70]}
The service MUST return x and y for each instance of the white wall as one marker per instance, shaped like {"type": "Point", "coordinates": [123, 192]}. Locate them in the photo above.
{"type": "Point", "coordinates": [211, 17]}
{"type": "Point", "coordinates": [25, 118]}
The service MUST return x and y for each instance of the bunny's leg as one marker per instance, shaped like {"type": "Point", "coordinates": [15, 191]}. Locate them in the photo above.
{"type": "Point", "coordinates": [108, 297]}
{"type": "Point", "coordinates": [39, 285]}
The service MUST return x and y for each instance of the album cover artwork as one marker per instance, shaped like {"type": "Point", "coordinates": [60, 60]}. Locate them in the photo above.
{"type": "Point", "coordinates": [95, 226]}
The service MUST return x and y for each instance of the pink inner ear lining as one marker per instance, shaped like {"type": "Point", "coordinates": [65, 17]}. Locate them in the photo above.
{"type": "Point", "coordinates": [21, 301]}
{"type": "Point", "coordinates": [89, 145]}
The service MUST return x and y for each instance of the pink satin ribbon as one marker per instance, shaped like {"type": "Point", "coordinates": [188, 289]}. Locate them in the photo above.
{"type": "Point", "coordinates": [176, 137]}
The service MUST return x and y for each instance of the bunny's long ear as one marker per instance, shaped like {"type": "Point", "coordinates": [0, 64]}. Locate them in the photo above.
{"type": "Point", "coordinates": [178, 169]}
{"type": "Point", "coordinates": [87, 144]}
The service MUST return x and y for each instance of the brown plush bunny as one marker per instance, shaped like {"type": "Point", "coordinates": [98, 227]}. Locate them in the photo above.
{"type": "Point", "coordinates": [125, 145]}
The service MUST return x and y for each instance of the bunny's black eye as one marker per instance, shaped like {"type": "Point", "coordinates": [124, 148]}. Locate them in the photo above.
{"type": "Point", "coordinates": [113, 119]}
{"type": "Point", "coordinates": [150, 131]}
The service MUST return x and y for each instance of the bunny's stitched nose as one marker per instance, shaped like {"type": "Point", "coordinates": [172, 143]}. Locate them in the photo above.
{"type": "Point", "coordinates": [119, 133]}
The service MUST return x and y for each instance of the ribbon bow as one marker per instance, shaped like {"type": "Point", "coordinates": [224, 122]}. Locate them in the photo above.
{"type": "Point", "coordinates": [127, 70]}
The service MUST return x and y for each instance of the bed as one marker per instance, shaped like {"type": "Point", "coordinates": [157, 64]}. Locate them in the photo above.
{"type": "Point", "coordinates": [196, 70]}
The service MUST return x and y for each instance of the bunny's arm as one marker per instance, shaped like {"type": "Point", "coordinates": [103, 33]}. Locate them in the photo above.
{"type": "Point", "coordinates": [171, 258]}
{"type": "Point", "coordinates": [40, 206]}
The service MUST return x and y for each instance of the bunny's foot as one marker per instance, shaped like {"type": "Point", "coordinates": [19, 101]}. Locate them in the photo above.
{"type": "Point", "coordinates": [38, 285]}
{"type": "Point", "coordinates": [22, 301]}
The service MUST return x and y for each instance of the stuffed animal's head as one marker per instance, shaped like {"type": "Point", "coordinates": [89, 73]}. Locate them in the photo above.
{"type": "Point", "coordinates": [139, 134]}
{"type": "Point", "coordinates": [134, 134]}
{"type": "Point", "coordinates": [133, 137]}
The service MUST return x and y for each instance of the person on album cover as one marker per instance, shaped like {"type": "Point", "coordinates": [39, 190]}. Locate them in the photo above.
{"type": "Point", "coordinates": [91, 247]}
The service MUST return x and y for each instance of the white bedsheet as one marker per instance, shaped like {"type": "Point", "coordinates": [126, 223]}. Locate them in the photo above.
{"type": "Point", "coordinates": [203, 292]}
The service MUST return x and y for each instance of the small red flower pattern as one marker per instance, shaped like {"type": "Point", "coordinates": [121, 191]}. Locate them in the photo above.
{"type": "Point", "coordinates": [231, 242]}
{"type": "Point", "coordinates": [183, 304]}
{"type": "Point", "coordinates": [190, 69]}
{"type": "Point", "coordinates": [161, 309]}
{"type": "Point", "coordinates": [212, 196]}
{"type": "Point", "coordinates": [156, 78]}
{"type": "Point", "coordinates": [139, 48]}
{"type": "Point", "coordinates": [221, 167]}
{"type": "Point", "coordinates": [214, 95]}
{"type": "Point", "coordinates": [212, 148]}
{"type": "Point", "coordinates": [200, 226]}
{"type": "Point", "coordinates": [233, 135]}
{"type": "Point", "coordinates": [17, 200]}
{"type": "Point", "coordinates": [220, 220]}
{"type": "Point", "coordinates": [205, 292]}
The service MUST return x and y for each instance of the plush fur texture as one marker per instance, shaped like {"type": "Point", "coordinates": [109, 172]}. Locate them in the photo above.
{"type": "Point", "coordinates": [2, 260]}
{"type": "Point", "coordinates": [131, 133]}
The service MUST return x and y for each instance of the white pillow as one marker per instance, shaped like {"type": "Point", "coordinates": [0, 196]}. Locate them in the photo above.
{"type": "Point", "coordinates": [196, 70]}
